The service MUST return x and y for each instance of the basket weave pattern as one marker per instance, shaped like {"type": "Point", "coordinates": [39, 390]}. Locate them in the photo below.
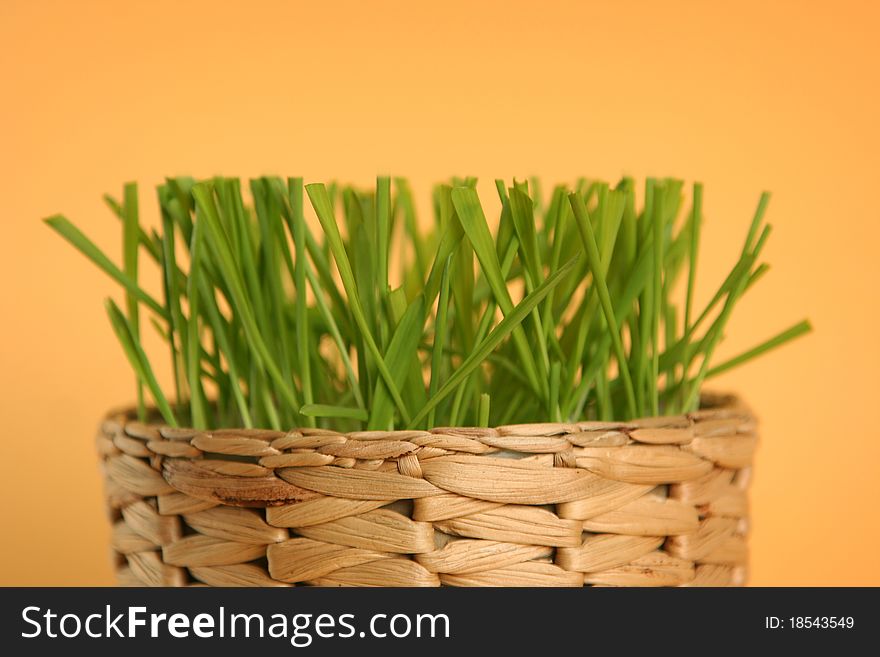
{"type": "Point", "coordinates": [653, 502]}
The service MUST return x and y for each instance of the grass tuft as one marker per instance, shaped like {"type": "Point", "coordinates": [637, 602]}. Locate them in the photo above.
{"type": "Point", "coordinates": [366, 319]}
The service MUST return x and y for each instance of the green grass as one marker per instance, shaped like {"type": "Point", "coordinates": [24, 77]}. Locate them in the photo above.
{"type": "Point", "coordinates": [578, 308]}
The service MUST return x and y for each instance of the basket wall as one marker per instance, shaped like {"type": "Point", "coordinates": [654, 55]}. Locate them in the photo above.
{"type": "Point", "coordinates": [653, 502]}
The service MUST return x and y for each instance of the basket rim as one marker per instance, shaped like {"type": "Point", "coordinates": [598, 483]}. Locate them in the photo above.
{"type": "Point", "coordinates": [538, 463]}
{"type": "Point", "coordinates": [712, 404]}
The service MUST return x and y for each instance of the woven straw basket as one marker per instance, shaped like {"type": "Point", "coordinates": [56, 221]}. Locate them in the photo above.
{"type": "Point", "coordinates": [653, 502]}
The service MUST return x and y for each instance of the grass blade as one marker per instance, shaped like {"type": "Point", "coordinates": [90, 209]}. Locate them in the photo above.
{"type": "Point", "coordinates": [504, 328]}
{"type": "Point", "coordinates": [138, 359]}
{"type": "Point", "coordinates": [589, 239]}
{"type": "Point", "coordinates": [321, 202]}
{"type": "Point", "coordinates": [657, 289]}
{"type": "Point", "coordinates": [441, 329]}
{"type": "Point", "coordinates": [714, 337]}
{"type": "Point", "coordinates": [203, 193]}
{"type": "Point", "coordinates": [402, 348]}
{"type": "Point", "coordinates": [405, 201]}
{"type": "Point", "coordinates": [221, 335]}
{"type": "Point", "coordinates": [198, 404]}
{"type": "Point", "coordinates": [339, 412]}
{"type": "Point", "coordinates": [152, 246]}
{"type": "Point", "coordinates": [483, 420]}
{"type": "Point", "coordinates": [470, 212]}
{"type": "Point", "coordinates": [383, 229]}
{"type": "Point", "coordinates": [799, 329]}
{"type": "Point", "coordinates": [84, 245]}
{"type": "Point", "coordinates": [131, 232]}
{"type": "Point", "coordinates": [303, 332]}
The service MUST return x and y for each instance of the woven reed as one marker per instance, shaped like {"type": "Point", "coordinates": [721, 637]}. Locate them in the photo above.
{"type": "Point", "coordinates": [653, 502]}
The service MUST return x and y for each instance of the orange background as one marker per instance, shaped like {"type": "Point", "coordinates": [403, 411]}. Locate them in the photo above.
{"type": "Point", "coordinates": [753, 95]}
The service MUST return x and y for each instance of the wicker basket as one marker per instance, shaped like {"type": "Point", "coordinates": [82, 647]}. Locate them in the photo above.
{"type": "Point", "coordinates": [653, 502]}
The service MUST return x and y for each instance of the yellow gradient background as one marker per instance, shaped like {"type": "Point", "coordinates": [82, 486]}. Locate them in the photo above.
{"type": "Point", "coordinates": [744, 96]}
